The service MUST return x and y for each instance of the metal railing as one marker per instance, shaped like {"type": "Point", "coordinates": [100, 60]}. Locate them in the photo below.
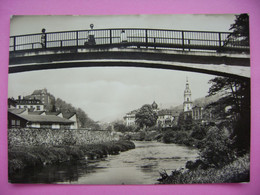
{"type": "Point", "coordinates": [139, 38]}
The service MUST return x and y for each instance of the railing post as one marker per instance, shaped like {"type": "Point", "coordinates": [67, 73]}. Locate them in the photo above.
{"type": "Point", "coordinates": [77, 38]}
{"type": "Point", "coordinates": [14, 43]}
{"type": "Point", "coordinates": [182, 37]}
{"type": "Point", "coordinates": [45, 41]}
{"type": "Point", "coordinates": [110, 36]}
{"type": "Point", "coordinates": [219, 39]}
{"type": "Point", "coordinates": [146, 38]}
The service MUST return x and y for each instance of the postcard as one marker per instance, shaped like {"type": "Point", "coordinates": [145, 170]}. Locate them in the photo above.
{"type": "Point", "coordinates": [129, 99]}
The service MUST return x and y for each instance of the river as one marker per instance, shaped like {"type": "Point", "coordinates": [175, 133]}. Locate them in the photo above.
{"type": "Point", "coordinates": [138, 166]}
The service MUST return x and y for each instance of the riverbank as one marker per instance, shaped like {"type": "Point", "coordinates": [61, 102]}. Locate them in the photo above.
{"type": "Point", "coordinates": [20, 157]}
{"type": "Point", "coordinates": [237, 171]}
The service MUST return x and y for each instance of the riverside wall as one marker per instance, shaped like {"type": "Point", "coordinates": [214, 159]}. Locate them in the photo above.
{"type": "Point", "coordinates": [50, 137]}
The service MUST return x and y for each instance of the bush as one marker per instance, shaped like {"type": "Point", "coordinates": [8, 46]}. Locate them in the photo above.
{"type": "Point", "coordinates": [168, 137]}
{"type": "Point", "coordinates": [198, 132]}
{"type": "Point", "coordinates": [237, 171]}
{"type": "Point", "coordinates": [217, 149]}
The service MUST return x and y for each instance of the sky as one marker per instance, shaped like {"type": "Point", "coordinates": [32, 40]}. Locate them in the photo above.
{"type": "Point", "coordinates": [108, 93]}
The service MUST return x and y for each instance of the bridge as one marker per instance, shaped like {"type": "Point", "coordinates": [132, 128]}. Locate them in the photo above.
{"type": "Point", "coordinates": [197, 51]}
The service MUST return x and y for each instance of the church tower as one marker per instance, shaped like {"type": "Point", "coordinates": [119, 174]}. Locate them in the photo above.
{"type": "Point", "coordinates": [187, 104]}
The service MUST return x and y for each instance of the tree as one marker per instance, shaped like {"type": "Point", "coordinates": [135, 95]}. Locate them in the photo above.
{"type": "Point", "coordinates": [185, 121]}
{"type": "Point", "coordinates": [240, 34]}
{"type": "Point", "coordinates": [146, 117]}
{"type": "Point", "coordinates": [236, 95]}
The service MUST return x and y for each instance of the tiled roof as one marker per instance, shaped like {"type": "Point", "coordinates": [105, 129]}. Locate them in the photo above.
{"type": "Point", "coordinates": [39, 91]}
{"type": "Point", "coordinates": [35, 112]}
{"type": "Point", "coordinates": [46, 119]}
{"type": "Point", "coordinates": [17, 111]}
{"type": "Point", "coordinates": [168, 112]}
{"type": "Point", "coordinates": [53, 113]}
{"type": "Point", "coordinates": [165, 112]}
{"type": "Point", "coordinates": [133, 112]}
{"type": "Point", "coordinates": [68, 115]}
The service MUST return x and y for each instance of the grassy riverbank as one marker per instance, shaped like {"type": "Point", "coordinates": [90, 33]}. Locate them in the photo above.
{"type": "Point", "coordinates": [20, 157]}
{"type": "Point", "coordinates": [237, 171]}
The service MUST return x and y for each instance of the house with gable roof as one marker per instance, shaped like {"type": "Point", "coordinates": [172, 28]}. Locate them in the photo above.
{"type": "Point", "coordinates": [73, 117]}
{"type": "Point", "coordinates": [23, 120]}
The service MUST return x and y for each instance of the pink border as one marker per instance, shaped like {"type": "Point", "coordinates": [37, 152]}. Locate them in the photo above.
{"type": "Point", "coordinates": [115, 7]}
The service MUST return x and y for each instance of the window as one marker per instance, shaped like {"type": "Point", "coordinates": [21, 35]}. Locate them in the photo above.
{"type": "Point", "coordinates": [38, 108]}
{"type": "Point", "coordinates": [13, 122]}
{"type": "Point", "coordinates": [18, 123]}
{"type": "Point", "coordinates": [55, 126]}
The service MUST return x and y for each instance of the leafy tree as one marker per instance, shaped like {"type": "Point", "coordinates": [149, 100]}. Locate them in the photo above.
{"type": "Point", "coordinates": [146, 117]}
{"type": "Point", "coordinates": [185, 122]}
{"type": "Point", "coordinates": [217, 149]}
{"type": "Point", "coordinates": [236, 95]}
{"type": "Point", "coordinates": [240, 34]}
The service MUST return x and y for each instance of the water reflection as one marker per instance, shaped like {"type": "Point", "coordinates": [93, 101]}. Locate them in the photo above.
{"type": "Point", "coordinates": [139, 166]}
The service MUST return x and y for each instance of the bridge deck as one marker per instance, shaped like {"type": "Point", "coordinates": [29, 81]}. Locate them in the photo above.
{"type": "Point", "coordinates": [135, 38]}
{"type": "Point", "coordinates": [181, 50]}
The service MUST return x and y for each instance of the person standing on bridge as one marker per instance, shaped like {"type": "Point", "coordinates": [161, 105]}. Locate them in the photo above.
{"type": "Point", "coordinates": [91, 36]}
{"type": "Point", "coordinates": [43, 38]}
{"type": "Point", "coordinates": [123, 37]}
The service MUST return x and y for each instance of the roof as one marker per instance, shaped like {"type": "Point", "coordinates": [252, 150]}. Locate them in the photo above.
{"type": "Point", "coordinates": [68, 115]}
{"type": "Point", "coordinates": [154, 105]}
{"type": "Point", "coordinates": [35, 112]}
{"type": "Point", "coordinates": [52, 113]}
{"type": "Point", "coordinates": [17, 111]}
{"type": "Point", "coordinates": [132, 112]}
{"type": "Point", "coordinates": [45, 119]}
{"type": "Point", "coordinates": [39, 92]}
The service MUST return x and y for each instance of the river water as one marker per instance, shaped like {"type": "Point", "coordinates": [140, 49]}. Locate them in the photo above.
{"type": "Point", "coordinates": [138, 166]}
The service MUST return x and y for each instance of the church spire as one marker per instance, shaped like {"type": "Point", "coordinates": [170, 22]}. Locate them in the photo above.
{"type": "Point", "coordinates": [187, 104]}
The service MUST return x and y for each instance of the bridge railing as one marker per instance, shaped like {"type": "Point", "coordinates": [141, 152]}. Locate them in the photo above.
{"type": "Point", "coordinates": [149, 38]}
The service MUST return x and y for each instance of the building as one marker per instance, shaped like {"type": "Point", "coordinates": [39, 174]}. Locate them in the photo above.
{"type": "Point", "coordinates": [130, 118]}
{"type": "Point", "coordinates": [31, 104]}
{"type": "Point", "coordinates": [73, 117]}
{"type": "Point", "coordinates": [11, 103]}
{"type": "Point", "coordinates": [197, 113]}
{"type": "Point", "coordinates": [38, 121]}
{"type": "Point", "coordinates": [187, 104]}
{"type": "Point", "coordinates": [166, 118]}
{"type": "Point", "coordinates": [22, 118]}
{"type": "Point", "coordinates": [42, 95]}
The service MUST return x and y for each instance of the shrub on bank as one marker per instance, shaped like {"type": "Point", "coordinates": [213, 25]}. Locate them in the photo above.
{"type": "Point", "coordinates": [237, 171]}
{"type": "Point", "coordinates": [26, 156]}
{"type": "Point", "coordinates": [179, 137]}
{"type": "Point", "coordinates": [217, 148]}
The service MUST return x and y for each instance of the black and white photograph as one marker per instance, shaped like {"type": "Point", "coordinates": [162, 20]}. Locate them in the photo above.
{"type": "Point", "coordinates": [129, 99]}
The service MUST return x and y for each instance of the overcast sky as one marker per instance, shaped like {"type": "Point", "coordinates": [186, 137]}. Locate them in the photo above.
{"type": "Point", "coordinates": [106, 94]}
